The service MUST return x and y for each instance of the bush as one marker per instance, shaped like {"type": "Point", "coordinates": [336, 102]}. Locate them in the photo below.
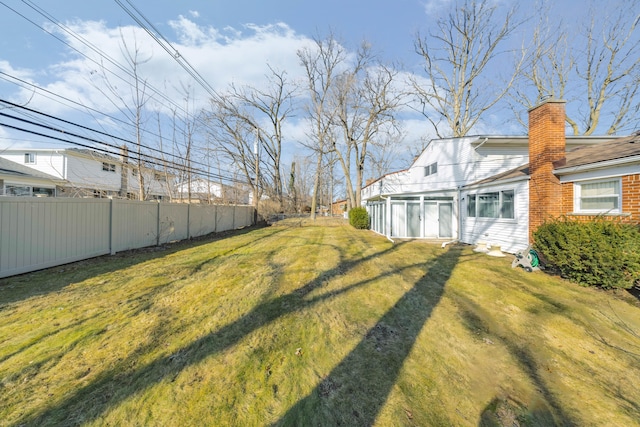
{"type": "Point", "coordinates": [595, 253]}
{"type": "Point", "coordinates": [359, 218]}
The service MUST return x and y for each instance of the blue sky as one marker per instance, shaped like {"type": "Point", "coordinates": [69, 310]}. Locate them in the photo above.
{"type": "Point", "coordinates": [226, 41]}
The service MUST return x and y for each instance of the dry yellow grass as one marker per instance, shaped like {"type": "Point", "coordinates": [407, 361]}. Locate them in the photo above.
{"type": "Point", "coordinates": [313, 323]}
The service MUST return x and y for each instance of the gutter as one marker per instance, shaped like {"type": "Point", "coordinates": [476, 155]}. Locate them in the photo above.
{"type": "Point", "coordinates": [594, 166]}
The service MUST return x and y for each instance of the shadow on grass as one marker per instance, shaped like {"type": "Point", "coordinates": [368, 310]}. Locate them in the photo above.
{"type": "Point", "coordinates": [355, 391]}
{"type": "Point", "coordinates": [112, 387]}
{"type": "Point", "coordinates": [50, 280]}
{"type": "Point", "coordinates": [550, 412]}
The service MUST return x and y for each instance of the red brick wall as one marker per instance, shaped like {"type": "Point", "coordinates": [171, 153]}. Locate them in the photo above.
{"type": "Point", "coordinates": [631, 196]}
{"type": "Point", "coordinates": [546, 145]}
{"type": "Point", "coordinates": [630, 200]}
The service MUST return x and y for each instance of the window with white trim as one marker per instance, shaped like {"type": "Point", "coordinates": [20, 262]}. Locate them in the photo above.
{"type": "Point", "coordinates": [30, 158]}
{"type": "Point", "coordinates": [108, 167]}
{"type": "Point", "coordinates": [496, 204]}
{"type": "Point", "coordinates": [597, 196]}
{"type": "Point", "coordinates": [431, 169]}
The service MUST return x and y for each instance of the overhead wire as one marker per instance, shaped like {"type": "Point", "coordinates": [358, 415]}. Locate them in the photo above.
{"type": "Point", "coordinates": [154, 159]}
{"type": "Point", "coordinates": [96, 50]}
{"type": "Point", "coordinates": [160, 39]}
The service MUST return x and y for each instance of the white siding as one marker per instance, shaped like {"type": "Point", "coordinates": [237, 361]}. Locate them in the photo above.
{"type": "Point", "coordinates": [511, 234]}
{"type": "Point", "coordinates": [47, 161]}
{"type": "Point", "coordinates": [459, 163]}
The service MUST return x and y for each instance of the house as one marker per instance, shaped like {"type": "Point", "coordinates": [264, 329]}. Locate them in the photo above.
{"type": "Point", "coordinates": [499, 189]}
{"type": "Point", "coordinates": [89, 173]}
{"type": "Point", "coordinates": [206, 191]}
{"type": "Point", "coordinates": [20, 180]}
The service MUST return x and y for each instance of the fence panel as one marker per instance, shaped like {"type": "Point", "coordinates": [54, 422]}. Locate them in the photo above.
{"type": "Point", "coordinates": [224, 218]}
{"type": "Point", "coordinates": [39, 233]}
{"type": "Point", "coordinates": [174, 222]}
{"type": "Point", "coordinates": [134, 225]}
{"type": "Point", "coordinates": [202, 220]}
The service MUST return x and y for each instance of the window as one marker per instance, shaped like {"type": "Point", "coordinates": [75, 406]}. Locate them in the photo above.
{"type": "Point", "coordinates": [471, 205]}
{"type": "Point", "coordinates": [488, 205]}
{"type": "Point", "coordinates": [30, 158]}
{"type": "Point", "coordinates": [431, 169]}
{"type": "Point", "coordinates": [597, 197]}
{"type": "Point", "coordinates": [43, 192]}
{"type": "Point", "coordinates": [506, 205]}
{"type": "Point", "coordinates": [497, 204]}
{"type": "Point", "coordinates": [17, 190]}
{"type": "Point", "coordinates": [159, 177]}
{"type": "Point", "coordinates": [134, 172]}
{"type": "Point", "coordinates": [109, 167]}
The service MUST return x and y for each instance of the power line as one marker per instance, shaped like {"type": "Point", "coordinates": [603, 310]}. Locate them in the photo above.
{"type": "Point", "coordinates": [21, 107]}
{"type": "Point", "coordinates": [167, 46]}
{"type": "Point", "coordinates": [95, 49]}
{"type": "Point", "coordinates": [162, 162]}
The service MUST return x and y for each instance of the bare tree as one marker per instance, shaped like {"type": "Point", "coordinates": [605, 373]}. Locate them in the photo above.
{"type": "Point", "coordinates": [365, 101]}
{"type": "Point", "coordinates": [245, 113]}
{"type": "Point", "coordinates": [593, 64]}
{"type": "Point", "coordinates": [321, 63]}
{"type": "Point", "coordinates": [132, 105]}
{"type": "Point", "coordinates": [457, 56]}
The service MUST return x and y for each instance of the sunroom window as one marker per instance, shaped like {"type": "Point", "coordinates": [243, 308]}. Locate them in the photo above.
{"type": "Point", "coordinates": [597, 197]}
{"type": "Point", "coordinates": [497, 204]}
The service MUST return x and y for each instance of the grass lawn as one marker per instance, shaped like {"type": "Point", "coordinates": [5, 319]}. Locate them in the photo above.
{"type": "Point", "coordinates": [313, 323]}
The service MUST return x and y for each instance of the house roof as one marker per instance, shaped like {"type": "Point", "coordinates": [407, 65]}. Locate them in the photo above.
{"type": "Point", "coordinates": [618, 149]}
{"type": "Point", "coordinates": [521, 172]}
{"type": "Point", "coordinates": [7, 167]}
{"type": "Point", "coordinates": [600, 154]}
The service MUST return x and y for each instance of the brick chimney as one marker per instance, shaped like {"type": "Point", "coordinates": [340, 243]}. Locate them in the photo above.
{"type": "Point", "coordinates": [546, 145]}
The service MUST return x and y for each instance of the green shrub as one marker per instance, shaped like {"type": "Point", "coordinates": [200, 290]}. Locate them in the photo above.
{"type": "Point", "coordinates": [359, 218]}
{"type": "Point", "coordinates": [595, 253]}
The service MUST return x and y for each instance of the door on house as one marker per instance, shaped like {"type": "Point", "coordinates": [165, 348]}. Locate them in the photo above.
{"type": "Point", "coordinates": [431, 220]}
{"type": "Point", "coordinates": [445, 219]}
{"type": "Point", "coordinates": [438, 219]}
{"type": "Point", "coordinates": [398, 219]}
{"type": "Point", "coordinates": [413, 219]}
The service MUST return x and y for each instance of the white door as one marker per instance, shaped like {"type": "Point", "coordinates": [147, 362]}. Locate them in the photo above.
{"type": "Point", "coordinates": [398, 223]}
{"type": "Point", "coordinates": [431, 219]}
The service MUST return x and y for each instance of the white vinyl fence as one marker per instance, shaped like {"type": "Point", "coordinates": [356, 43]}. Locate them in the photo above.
{"type": "Point", "coordinates": [37, 233]}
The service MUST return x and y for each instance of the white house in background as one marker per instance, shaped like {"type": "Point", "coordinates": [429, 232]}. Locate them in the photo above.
{"type": "Point", "coordinates": [207, 191]}
{"type": "Point", "coordinates": [89, 173]}
{"type": "Point", "coordinates": [479, 188]}
{"type": "Point", "coordinates": [19, 180]}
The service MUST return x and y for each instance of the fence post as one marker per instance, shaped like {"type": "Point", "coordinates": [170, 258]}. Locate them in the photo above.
{"type": "Point", "coordinates": [188, 221]}
{"type": "Point", "coordinates": [111, 228]}
{"type": "Point", "coordinates": [158, 225]}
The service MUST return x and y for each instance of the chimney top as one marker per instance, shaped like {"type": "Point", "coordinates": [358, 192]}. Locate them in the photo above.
{"type": "Point", "coordinates": [547, 100]}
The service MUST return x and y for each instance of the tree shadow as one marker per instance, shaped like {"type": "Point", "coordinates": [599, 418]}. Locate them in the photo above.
{"type": "Point", "coordinates": [549, 413]}
{"type": "Point", "coordinates": [114, 386]}
{"type": "Point", "coordinates": [24, 286]}
{"type": "Point", "coordinates": [355, 391]}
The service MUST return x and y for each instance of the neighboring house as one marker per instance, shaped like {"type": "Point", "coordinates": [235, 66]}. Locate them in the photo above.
{"type": "Point", "coordinates": [339, 207]}
{"type": "Point", "coordinates": [206, 191]}
{"type": "Point", "coordinates": [89, 173]}
{"type": "Point", "coordinates": [20, 180]}
{"type": "Point", "coordinates": [499, 189]}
